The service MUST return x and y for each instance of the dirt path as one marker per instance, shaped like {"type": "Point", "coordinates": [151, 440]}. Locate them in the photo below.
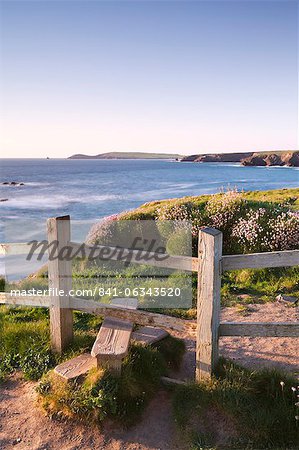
{"type": "Point", "coordinates": [23, 426]}
{"type": "Point", "coordinates": [253, 352]}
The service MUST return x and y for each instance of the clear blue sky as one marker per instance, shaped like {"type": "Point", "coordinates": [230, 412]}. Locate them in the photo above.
{"type": "Point", "coordinates": [187, 77]}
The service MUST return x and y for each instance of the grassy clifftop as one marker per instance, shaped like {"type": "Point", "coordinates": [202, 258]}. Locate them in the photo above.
{"type": "Point", "coordinates": [277, 196]}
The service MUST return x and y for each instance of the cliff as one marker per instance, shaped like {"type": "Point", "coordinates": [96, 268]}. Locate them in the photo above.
{"type": "Point", "coordinates": [287, 158]}
{"type": "Point", "coordinates": [279, 158]}
{"type": "Point", "coordinates": [217, 157]}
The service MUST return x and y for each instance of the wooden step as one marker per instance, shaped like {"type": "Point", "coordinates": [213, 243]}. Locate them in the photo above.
{"type": "Point", "coordinates": [113, 339]}
{"type": "Point", "coordinates": [76, 367]}
{"type": "Point", "coordinates": [149, 335]}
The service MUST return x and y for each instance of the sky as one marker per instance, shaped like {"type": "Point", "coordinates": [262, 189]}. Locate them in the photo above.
{"type": "Point", "coordinates": [177, 77]}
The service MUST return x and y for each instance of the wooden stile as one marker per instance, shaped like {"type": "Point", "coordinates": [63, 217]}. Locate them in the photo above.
{"type": "Point", "coordinates": [208, 301]}
{"type": "Point", "coordinates": [60, 279]}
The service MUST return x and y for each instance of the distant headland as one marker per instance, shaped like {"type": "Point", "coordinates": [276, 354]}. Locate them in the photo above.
{"type": "Point", "coordinates": [276, 158]}
{"type": "Point", "coordinates": [127, 155]}
{"type": "Point", "coordinates": [272, 158]}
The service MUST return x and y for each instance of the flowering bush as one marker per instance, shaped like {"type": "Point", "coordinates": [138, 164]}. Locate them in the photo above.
{"type": "Point", "coordinates": [102, 232]}
{"type": "Point", "coordinates": [267, 229]}
{"type": "Point", "coordinates": [223, 210]}
{"type": "Point", "coordinates": [245, 226]}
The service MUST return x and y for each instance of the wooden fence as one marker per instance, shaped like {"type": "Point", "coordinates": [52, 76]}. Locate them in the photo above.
{"type": "Point", "coordinates": [209, 265]}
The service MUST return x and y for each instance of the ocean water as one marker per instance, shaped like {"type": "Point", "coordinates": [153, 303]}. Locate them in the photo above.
{"type": "Point", "coordinates": [89, 190]}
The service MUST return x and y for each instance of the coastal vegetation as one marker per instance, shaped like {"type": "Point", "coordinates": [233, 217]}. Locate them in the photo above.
{"type": "Point", "coordinates": [238, 409]}
{"type": "Point", "coordinates": [258, 221]}
{"type": "Point", "coordinates": [252, 409]}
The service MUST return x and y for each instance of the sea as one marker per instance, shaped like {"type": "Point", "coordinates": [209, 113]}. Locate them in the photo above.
{"type": "Point", "coordinates": [89, 190]}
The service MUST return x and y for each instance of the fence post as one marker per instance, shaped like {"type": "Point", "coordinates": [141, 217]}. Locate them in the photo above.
{"type": "Point", "coordinates": [60, 279]}
{"type": "Point", "coordinates": [208, 301]}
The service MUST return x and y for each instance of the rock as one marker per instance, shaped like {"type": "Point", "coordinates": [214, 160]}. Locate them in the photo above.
{"type": "Point", "coordinates": [273, 160]}
{"type": "Point", "coordinates": [3, 199]}
{"type": "Point", "coordinates": [13, 183]}
{"type": "Point", "coordinates": [287, 299]}
{"type": "Point", "coordinates": [291, 159]}
{"type": "Point", "coordinates": [217, 157]}
{"type": "Point", "coordinates": [254, 161]}
{"type": "Point", "coordinates": [190, 158]}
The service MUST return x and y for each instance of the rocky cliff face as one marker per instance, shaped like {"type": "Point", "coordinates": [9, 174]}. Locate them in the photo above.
{"type": "Point", "coordinates": [281, 158]}
{"type": "Point", "coordinates": [273, 159]}
{"type": "Point", "coordinates": [217, 157]}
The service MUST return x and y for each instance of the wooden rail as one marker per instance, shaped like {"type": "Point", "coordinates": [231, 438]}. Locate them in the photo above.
{"type": "Point", "coordinates": [285, 258]}
{"type": "Point", "coordinates": [209, 265]}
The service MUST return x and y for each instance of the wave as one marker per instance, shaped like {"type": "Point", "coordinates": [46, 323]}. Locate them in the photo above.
{"type": "Point", "coordinates": [53, 201]}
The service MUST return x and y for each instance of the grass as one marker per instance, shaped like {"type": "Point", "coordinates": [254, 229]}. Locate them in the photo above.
{"type": "Point", "coordinates": [25, 340]}
{"type": "Point", "coordinates": [103, 395]}
{"type": "Point", "coordinates": [238, 409]}
{"type": "Point", "coordinates": [25, 346]}
{"type": "Point", "coordinates": [259, 285]}
{"type": "Point", "coordinates": [255, 198]}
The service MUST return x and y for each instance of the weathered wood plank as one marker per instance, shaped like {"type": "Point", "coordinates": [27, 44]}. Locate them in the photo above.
{"type": "Point", "coordinates": [29, 300]}
{"type": "Point", "coordinates": [136, 256]}
{"type": "Point", "coordinates": [112, 342]}
{"type": "Point", "coordinates": [262, 329]}
{"type": "Point", "coordinates": [261, 260]}
{"type": "Point", "coordinates": [60, 279]}
{"type": "Point", "coordinates": [76, 367]}
{"type": "Point", "coordinates": [136, 316]}
{"type": "Point", "coordinates": [208, 301]}
{"type": "Point", "coordinates": [103, 309]}
{"type": "Point", "coordinates": [127, 302]}
{"type": "Point", "coordinates": [113, 339]}
{"type": "Point", "coordinates": [149, 335]}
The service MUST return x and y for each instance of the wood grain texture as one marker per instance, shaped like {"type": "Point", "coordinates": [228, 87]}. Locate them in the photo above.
{"type": "Point", "coordinates": [113, 339]}
{"type": "Point", "coordinates": [149, 258]}
{"type": "Point", "coordinates": [262, 329]}
{"type": "Point", "coordinates": [60, 278]}
{"type": "Point", "coordinates": [76, 367]}
{"type": "Point", "coordinates": [136, 316]}
{"type": "Point", "coordinates": [21, 300]}
{"type": "Point", "coordinates": [127, 302]}
{"type": "Point", "coordinates": [149, 335]}
{"type": "Point", "coordinates": [208, 301]}
{"type": "Point", "coordinates": [261, 260]}
{"type": "Point", "coordinates": [103, 309]}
